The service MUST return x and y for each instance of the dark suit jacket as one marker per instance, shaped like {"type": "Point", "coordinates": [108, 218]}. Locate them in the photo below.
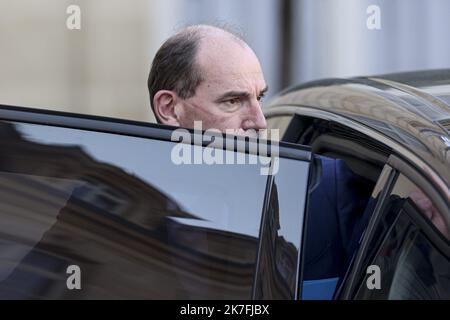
{"type": "Point", "coordinates": [336, 219]}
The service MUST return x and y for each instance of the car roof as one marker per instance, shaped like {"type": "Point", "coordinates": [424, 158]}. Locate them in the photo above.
{"type": "Point", "coordinates": [412, 108]}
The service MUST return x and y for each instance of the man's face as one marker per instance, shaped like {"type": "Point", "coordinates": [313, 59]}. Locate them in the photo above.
{"type": "Point", "coordinates": [229, 97]}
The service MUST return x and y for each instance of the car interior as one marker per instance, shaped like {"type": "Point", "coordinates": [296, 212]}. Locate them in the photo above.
{"type": "Point", "coordinates": [363, 155]}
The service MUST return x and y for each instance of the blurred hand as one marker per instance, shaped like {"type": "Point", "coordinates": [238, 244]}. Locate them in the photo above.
{"type": "Point", "coordinates": [428, 209]}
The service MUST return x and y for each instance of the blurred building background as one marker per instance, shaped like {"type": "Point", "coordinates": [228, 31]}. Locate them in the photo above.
{"type": "Point", "coordinates": [102, 69]}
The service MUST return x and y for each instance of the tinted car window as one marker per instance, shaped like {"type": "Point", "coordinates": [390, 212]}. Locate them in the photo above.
{"type": "Point", "coordinates": [411, 265]}
{"type": "Point", "coordinates": [278, 263]}
{"type": "Point", "coordinates": [137, 225]}
{"type": "Point", "coordinates": [422, 272]}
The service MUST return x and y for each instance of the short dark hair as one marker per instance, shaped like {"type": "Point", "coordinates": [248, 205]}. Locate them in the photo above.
{"type": "Point", "coordinates": [174, 66]}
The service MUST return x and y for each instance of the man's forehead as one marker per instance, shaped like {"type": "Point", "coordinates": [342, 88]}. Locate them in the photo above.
{"type": "Point", "coordinates": [229, 71]}
{"type": "Point", "coordinates": [230, 78]}
{"type": "Point", "coordinates": [225, 53]}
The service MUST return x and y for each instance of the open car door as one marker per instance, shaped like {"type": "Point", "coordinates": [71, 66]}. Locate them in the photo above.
{"type": "Point", "coordinates": [97, 208]}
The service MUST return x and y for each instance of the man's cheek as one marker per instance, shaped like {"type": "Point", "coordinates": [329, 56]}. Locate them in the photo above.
{"type": "Point", "coordinates": [189, 118]}
{"type": "Point", "coordinates": [230, 122]}
{"type": "Point", "coordinates": [220, 123]}
{"type": "Point", "coordinates": [210, 120]}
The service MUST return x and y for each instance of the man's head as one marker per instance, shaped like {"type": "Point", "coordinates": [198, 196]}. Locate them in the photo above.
{"type": "Point", "coordinates": [207, 74]}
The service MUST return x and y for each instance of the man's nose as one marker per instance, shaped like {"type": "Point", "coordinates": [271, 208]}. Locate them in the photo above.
{"type": "Point", "coordinates": [255, 118]}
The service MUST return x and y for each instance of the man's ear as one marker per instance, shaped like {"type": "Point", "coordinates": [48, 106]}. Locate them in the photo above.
{"type": "Point", "coordinates": [164, 102]}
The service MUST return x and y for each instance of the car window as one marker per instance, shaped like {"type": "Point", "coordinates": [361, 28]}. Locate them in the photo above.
{"type": "Point", "coordinates": [136, 224]}
{"type": "Point", "coordinates": [282, 226]}
{"type": "Point", "coordinates": [411, 265]}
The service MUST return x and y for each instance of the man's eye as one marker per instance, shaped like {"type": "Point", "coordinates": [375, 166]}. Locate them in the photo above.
{"type": "Point", "coordinates": [233, 101]}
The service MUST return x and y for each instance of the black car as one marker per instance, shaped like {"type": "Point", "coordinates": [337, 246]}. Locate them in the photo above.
{"type": "Point", "coordinates": [97, 208]}
{"type": "Point", "coordinates": [393, 130]}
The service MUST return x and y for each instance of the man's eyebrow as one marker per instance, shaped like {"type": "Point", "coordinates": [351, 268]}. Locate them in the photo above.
{"type": "Point", "coordinates": [233, 94]}
{"type": "Point", "coordinates": [266, 88]}
{"type": "Point", "coordinates": [239, 94]}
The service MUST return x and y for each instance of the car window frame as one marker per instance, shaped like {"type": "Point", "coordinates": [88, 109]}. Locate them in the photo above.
{"type": "Point", "coordinates": [350, 278]}
{"type": "Point", "coordinates": [141, 129]}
